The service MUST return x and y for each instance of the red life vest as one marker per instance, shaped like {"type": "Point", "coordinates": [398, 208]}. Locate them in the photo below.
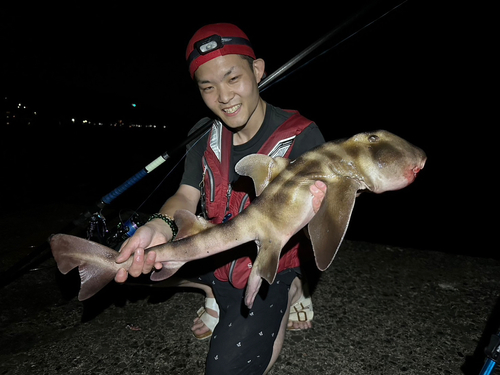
{"type": "Point", "coordinates": [220, 202]}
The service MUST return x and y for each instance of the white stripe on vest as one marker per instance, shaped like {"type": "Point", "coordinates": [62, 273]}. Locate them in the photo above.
{"type": "Point", "coordinates": [280, 149]}
{"type": "Point", "coordinates": [216, 139]}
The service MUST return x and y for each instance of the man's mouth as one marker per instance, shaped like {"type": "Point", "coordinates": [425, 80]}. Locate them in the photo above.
{"type": "Point", "coordinates": [232, 109]}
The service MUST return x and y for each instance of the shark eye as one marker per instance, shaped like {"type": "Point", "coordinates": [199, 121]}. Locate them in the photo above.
{"type": "Point", "coordinates": [373, 138]}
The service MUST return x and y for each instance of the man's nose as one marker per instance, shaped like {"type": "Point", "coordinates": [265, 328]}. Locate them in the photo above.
{"type": "Point", "coordinates": [225, 95]}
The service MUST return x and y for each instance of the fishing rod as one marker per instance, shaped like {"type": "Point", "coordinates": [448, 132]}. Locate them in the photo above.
{"type": "Point", "coordinates": [263, 85]}
{"type": "Point", "coordinates": [281, 70]}
{"type": "Point", "coordinates": [94, 214]}
{"type": "Point", "coordinates": [266, 83]}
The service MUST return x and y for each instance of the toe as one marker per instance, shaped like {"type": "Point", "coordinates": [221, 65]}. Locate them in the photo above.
{"type": "Point", "coordinates": [299, 325]}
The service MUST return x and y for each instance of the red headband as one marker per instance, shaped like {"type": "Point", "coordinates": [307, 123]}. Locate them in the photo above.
{"type": "Point", "coordinates": [216, 40]}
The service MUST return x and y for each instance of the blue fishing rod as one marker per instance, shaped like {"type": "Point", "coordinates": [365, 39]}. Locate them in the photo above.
{"type": "Point", "coordinates": [264, 84]}
{"type": "Point", "coordinates": [97, 229]}
{"type": "Point", "coordinates": [93, 218]}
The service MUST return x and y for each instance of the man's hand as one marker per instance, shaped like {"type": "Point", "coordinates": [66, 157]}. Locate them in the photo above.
{"type": "Point", "coordinates": [318, 190]}
{"type": "Point", "coordinates": [144, 237]}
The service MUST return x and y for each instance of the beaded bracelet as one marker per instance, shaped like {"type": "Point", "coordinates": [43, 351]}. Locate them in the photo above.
{"type": "Point", "coordinates": [167, 219]}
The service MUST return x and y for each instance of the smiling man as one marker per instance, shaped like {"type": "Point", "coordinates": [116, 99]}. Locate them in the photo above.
{"type": "Point", "coordinates": [229, 88]}
{"type": "Point", "coordinates": [223, 64]}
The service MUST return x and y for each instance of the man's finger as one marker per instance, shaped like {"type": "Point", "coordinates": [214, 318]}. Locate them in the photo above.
{"type": "Point", "coordinates": [121, 275]}
{"type": "Point", "coordinates": [149, 262]}
{"type": "Point", "coordinates": [138, 263]}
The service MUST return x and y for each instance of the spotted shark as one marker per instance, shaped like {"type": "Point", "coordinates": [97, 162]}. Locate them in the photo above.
{"type": "Point", "coordinates": [376, 161]}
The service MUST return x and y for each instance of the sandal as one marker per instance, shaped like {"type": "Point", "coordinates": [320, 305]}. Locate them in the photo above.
{"type": "Point", "coordinates": [207, 319]}
{"type": "Point", "coordinates": [301, 311]}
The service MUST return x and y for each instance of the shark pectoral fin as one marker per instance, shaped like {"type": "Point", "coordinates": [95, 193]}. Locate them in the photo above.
{"type": "Point", "coordinates": [253, 286]}
{"type": "Point", "coordinates": [261, 168]}
{"type": "Point", "coordinates": [266, 264]}
{"type": "Point", "coordinates": [168, 269]}
{"type": "Point", "coordinates": [264, 267]}
{"type": "Point", "coordinates": [189, 224]}
{"type": "Point", "coordinates": [95, 262]}
{"type": "Point", "coordinates": [327, 228]}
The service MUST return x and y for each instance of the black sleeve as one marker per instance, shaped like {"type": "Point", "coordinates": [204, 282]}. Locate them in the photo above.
{"type": "Point", "coordinates": [310, 138]}
{"type": "Point", "coordinates": [193, 170]}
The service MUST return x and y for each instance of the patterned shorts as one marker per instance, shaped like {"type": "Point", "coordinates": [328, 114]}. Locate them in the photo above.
{"type": "Point", "coordinates": [242, 342]}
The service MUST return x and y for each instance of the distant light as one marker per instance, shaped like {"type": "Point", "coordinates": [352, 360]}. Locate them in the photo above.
{"type": "Point", "coordinates": [134, 105]}
{"type": "Point", "coordinates": [72, 120]}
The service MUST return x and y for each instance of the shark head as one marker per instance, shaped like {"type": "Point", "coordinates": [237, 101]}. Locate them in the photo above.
{"type": "Point", "coordinates": [385, 161]}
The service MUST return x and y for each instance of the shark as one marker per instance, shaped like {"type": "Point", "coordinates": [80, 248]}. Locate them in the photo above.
{"type": "Point", "coordinates": [376, 162]}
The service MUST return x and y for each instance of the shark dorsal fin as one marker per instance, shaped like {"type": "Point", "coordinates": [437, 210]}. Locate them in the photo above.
{"type": "Point", "coordinates": [190, 224]}
{"type": "Point", "coordinates": [261, 168]}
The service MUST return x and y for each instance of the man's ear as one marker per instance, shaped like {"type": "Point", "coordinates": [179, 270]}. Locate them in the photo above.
{"type": "Point", "coordinates": [259, 68]}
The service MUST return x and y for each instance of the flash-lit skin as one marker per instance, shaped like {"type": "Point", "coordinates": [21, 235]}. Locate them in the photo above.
{"type": "Point", "coordinates": [376, 161]}
{"type": "Point", "coordinates": [228, 84]}
{"type": "Point", "coordinates": [224, 82]}
{"type": "Point", "coordinates": [317, 190]}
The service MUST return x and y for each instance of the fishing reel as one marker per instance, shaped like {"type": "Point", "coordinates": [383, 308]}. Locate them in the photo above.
{"type": "Point", "coordinates": [128, 223]}
{"type": "Point", "coordinates": [97, 230]}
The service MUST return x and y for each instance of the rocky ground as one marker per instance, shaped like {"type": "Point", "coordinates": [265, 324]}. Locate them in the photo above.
{"type": "Point", "coordinates": [379, 310]}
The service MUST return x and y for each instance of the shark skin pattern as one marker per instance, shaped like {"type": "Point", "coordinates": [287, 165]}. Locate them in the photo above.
{"type": "Point", "coordinates": [376, 161]}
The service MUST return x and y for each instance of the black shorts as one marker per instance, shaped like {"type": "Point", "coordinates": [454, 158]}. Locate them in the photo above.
{"type": "Point", "coordinates": [242, 342]}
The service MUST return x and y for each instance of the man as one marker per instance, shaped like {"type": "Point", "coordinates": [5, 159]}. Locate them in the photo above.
{"type": "Point", "coordinates": [223, 64]}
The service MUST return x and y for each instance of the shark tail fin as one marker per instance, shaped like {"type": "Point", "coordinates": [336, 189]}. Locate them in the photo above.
{"type": "Point", "coordinates": [95, 262]}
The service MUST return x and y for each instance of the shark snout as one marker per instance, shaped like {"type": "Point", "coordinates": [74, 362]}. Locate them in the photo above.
{"type": "Point", "coordinates": [420, 167]}
{"type": "Point", "coordinates": [415, 170]}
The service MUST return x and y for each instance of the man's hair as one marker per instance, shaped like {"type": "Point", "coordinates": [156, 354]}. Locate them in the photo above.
{"type": "Point", "coordinates": [249, 59]}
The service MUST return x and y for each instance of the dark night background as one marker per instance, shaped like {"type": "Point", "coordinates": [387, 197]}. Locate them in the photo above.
{"type": "Point", "coordinates": [413, 72]}
{"type": "Point", "coordinates": [413, 290]}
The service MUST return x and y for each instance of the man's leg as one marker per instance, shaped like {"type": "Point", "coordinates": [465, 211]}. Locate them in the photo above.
{"type": "Point", "coordinates": [199, 328]}
{"type": "Point", "coordinates": [245, 341]}
{"type": "Point", "coordinates": [294, 294]}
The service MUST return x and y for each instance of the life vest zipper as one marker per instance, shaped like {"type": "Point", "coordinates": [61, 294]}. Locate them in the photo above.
{"type": "Point", "coordinates": [210, 179]}
{"type": "Point", "coordinates": [203, 197]}
{"type": "Point", "coordinates": [233, 263]}
{"type": "Point", "coordinates": [227, 214]}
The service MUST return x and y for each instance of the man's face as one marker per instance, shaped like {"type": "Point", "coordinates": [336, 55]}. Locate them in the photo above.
{"type": "Point", "coordinates": [229, 87]}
